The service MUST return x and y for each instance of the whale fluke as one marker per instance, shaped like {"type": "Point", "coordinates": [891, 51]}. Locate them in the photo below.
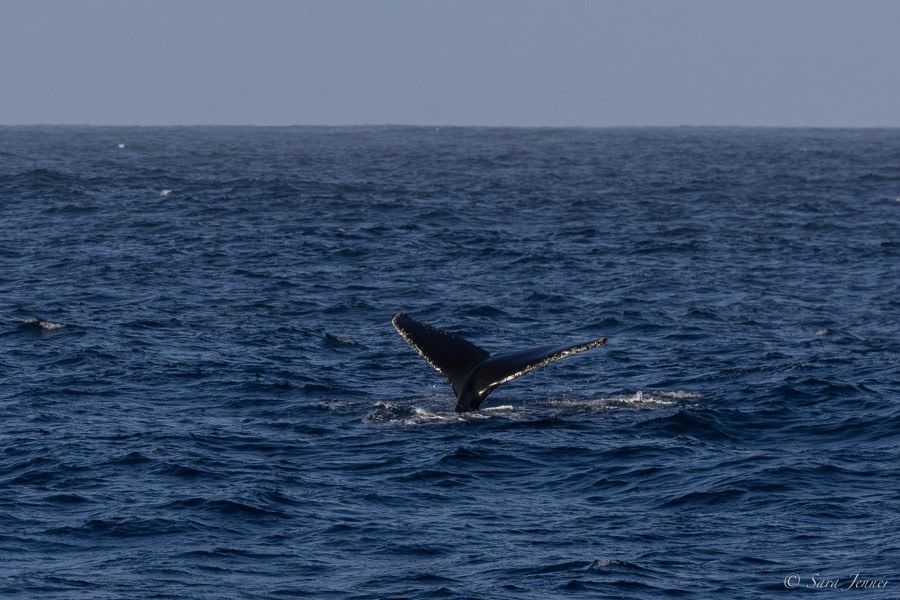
{"type": "Point", "coordinates": [472, 371]}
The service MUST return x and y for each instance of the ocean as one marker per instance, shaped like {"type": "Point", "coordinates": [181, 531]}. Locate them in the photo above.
{"type": "Point", "coordinates": [203, 396]}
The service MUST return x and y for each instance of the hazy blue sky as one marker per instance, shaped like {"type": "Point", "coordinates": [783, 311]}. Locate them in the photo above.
{"type": "Point", "coordinates": [552, 62]}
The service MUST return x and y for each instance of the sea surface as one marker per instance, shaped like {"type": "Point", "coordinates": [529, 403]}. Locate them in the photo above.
{"type": "Point", "coordinates": [202, 396]}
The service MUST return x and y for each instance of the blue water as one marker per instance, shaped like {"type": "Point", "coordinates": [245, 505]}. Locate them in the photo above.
{"type": "Point", "coordinates": [201, 394]}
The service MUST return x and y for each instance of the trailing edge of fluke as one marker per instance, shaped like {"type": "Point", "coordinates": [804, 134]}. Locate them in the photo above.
{"type": "Point", "coordinates": [472, 371]}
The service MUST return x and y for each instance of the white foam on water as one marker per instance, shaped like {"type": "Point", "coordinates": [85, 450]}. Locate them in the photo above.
{"type": "Point", "coordinates": [45, 325]}
{"type": "Point", "coordinates": [439, 409]}
{"type": "Point", "coordinates": [656, 399]}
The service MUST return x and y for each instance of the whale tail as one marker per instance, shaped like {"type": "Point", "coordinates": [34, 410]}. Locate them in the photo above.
{"type": "Point", "coordinates": [472, 371]}
{"type": "Point", "coordinates": [452, 356]}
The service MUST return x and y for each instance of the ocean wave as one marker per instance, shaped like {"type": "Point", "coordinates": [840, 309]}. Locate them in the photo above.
{"type": "Point", "coordinates": [39, 325]}
{"type": "Point", "coordinates": [224, 409]}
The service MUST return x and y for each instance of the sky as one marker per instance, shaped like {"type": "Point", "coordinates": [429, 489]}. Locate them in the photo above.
{"type": "Point", "coordinates": [824, 63]}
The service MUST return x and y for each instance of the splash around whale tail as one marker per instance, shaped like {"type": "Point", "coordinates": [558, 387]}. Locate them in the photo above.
{"type": "Point", "coordinates": [472, 371]}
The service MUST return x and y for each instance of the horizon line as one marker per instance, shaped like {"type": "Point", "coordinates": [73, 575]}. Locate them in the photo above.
{"type": "Point", "coordinates": [447, 126]}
